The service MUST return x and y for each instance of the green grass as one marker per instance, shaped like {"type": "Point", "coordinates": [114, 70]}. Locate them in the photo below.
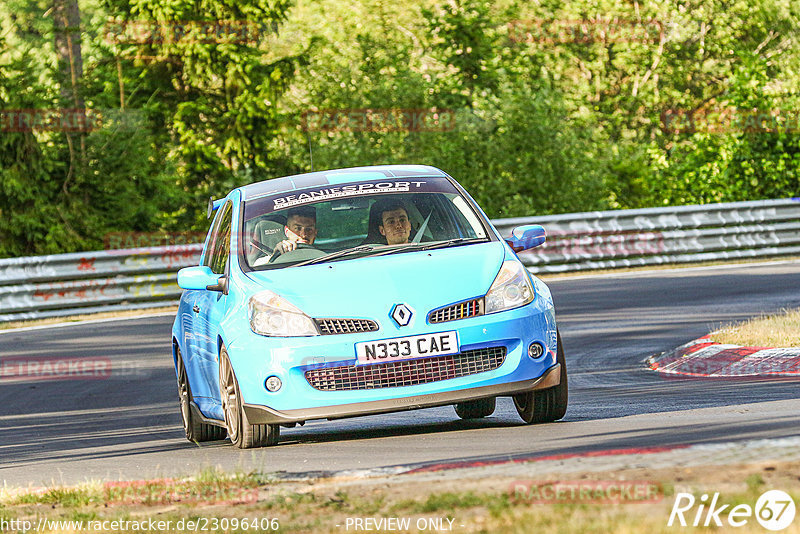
{"type": "Point", "coordinates": [5, 514]}
{"type": "Point", "coordinates": [444, 502]}
{"type": "Point", "coordinates": [287, 501]}
{"type": "Point", "coordinates": [66, 497]}
{"type": "Point", "coordinates": [754, 482]}
{"type": "Point", "coordinates": [209, 486]}
{"type": "Point", "coordinates": [447, 501]}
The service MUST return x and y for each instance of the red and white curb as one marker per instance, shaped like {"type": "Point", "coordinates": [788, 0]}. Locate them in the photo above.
{"type": "Point", "coordinates": [706, 358]}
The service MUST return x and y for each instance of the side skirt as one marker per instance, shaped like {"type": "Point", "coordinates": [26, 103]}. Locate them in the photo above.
{"type": "Point", "coordinates": [199, 415]}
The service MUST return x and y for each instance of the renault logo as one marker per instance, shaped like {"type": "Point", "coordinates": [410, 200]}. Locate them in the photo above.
{"type": "Point", "coordinates": [402, 314]}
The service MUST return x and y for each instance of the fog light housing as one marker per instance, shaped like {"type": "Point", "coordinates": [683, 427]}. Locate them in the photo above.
{"type": "Point", "coordinates": [535, 350]}
{"type": "Point", "coordinates": [273, 384]}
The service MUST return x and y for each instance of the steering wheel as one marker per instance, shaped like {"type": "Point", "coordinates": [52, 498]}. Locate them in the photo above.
{"type": "Point", "coordinates": [278, 252]}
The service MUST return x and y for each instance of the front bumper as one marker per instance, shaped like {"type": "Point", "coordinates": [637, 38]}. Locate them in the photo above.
{"type": "Point", "coordinates": [258, 415]}
{"type": "Point", "coordinates": [255, 358]}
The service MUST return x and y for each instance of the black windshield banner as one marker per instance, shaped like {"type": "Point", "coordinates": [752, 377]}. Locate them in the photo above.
{"type": "Point", "coordinates": [331, 192]}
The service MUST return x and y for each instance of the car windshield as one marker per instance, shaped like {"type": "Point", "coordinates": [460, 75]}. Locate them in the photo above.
{"type": "Point", "coordinates": [352, 220]}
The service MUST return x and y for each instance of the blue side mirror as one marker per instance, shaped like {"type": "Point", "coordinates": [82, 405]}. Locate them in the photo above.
{"type": "Point", "coordinates": [201, 277]}
{"type": "Point", "coordinates": [526, 237]}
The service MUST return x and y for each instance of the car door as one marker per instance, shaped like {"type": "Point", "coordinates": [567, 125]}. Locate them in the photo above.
{"type": "Point", "coordinates": [208, 309]}
{"type": "Point", "coordinates": [193, 323]}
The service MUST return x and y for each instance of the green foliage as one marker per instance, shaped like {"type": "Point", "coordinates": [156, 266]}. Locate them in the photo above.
{"type": "Point", "coordinates": [462, 36]}
{"type": "Point", "coordinates": [544, 122]}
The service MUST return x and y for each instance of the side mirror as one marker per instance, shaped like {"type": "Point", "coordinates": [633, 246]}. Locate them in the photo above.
{"type": "Point", "coordinates": [526, 237]}
{"type": "Point", "coordinates": [202, 277]}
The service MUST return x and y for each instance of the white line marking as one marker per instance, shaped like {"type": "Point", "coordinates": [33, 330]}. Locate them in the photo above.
{"type": "Point", "coordinates": [86, 321]}
{"type": "Point", "coordinates": [557, 278]}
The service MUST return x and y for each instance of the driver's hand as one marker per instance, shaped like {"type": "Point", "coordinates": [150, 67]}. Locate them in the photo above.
{"type": "Point", "coordinates": [287, 245]}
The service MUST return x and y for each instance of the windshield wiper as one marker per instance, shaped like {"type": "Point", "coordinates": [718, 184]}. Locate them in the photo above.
{"type": "Point", "coordinates": [338, 254]}
{"type": "Point", "coordinates": [454, 242]}
{"type": "Point", "coordinates": [402, 247]}
{"type": "Point", "coordinates": [408, 247]}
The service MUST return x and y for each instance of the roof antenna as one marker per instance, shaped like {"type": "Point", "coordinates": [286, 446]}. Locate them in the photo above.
{"type": "Point", "coordinates": [310, 154]}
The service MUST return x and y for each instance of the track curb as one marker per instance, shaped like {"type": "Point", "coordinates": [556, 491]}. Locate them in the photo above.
{"type": "Point", "coordinates": [706, 358]}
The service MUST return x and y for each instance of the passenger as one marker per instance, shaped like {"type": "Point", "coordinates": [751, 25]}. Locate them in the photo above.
{"type": "Point", "coordinates": [394, 224]}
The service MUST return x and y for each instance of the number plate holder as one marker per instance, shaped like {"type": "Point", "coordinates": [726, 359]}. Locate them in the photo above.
{"type": "Point", "coordinates": [407, 348]}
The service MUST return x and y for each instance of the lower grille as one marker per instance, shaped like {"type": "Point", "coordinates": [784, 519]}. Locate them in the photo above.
{"type": "Point", "coordinates": [407, 372]}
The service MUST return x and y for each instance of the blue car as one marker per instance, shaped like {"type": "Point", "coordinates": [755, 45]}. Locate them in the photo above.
{"type": "Point", "coordinates": [355, 292]}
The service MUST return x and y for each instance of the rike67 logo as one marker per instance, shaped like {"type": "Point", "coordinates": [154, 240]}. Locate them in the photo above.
{"type": "Point", "coordinates": [774, 510]}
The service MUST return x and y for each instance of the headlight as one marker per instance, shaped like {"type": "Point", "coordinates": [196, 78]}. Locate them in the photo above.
{"type": "Point", "coordinates": [511, 288]}
{"type": "Point", "coordinates": [272, 315]}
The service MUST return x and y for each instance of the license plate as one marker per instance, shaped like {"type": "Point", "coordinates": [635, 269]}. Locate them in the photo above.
{"type": "Point", "coordinates": [406, 348]}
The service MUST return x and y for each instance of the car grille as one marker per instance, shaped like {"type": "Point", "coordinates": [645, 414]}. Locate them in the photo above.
{"type": "Point", "coordinates": [461, 310]}
{"type": "Point", "coordinates": [406, 372]}
{"type": "Point", "coordinates": [345, 326]}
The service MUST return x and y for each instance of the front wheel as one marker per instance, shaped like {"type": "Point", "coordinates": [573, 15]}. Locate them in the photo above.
{"type": "Point", "coordinates": [240, 431]}
{"type": "Point", "coordinates": [545, 405]}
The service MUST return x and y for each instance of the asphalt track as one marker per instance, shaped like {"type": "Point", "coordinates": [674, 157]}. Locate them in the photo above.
{"type": "Point", "coordinates": [127, 425]}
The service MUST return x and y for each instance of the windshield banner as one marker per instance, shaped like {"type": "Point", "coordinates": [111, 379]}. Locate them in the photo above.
{"type": "Point", "coordinates": [319, 194]}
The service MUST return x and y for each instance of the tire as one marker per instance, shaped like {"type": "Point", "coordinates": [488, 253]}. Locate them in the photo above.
{"type": "Point", "coordinates": [476, 409]}
{"type": "Point", "coordinates": [240, 431]}
{"type": "Point", "coordinates": [545, 405]}
{"type": "Point", "coordinates": [196, 431]}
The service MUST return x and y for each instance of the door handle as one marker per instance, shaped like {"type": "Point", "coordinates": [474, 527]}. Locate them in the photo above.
{"type": "Point", "coordinates": [196, 308]}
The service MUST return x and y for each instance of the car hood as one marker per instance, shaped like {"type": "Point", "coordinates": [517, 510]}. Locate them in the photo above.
{"type": "Point", "coordinates": [370, 287]}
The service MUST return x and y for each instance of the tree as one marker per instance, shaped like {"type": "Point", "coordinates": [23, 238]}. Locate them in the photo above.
{"type": "Point", "coordinates": [218, 93]}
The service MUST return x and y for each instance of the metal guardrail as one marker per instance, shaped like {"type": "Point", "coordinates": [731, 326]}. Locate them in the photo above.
{"type": "Point", "coordinates": [111, 280]}
{"type": "Point", "coordinates": [88, 282]}
{"type": "Point", "coordinates": [656, 236]}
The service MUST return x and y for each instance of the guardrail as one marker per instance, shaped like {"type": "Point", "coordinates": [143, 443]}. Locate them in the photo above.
{"type": "Point", "coordinates": [111, 280]}
{"type": "Point", "coordinates": [88, 282]}
{"type": "Point", "coordinates": [655, 236]}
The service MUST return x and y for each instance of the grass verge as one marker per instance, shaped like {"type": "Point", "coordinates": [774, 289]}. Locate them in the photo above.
{"type": "Point", "coordinates": [780, 330]}
{"type": "Point", "coordinates": [440, 503]}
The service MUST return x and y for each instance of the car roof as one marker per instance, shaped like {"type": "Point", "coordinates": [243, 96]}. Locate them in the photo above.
{"type": "Point", "coordinates": [337, 176]}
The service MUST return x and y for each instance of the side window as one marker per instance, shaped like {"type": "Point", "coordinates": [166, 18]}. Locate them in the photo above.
{"type": "Point", "coordinates": [220, 246]}
{"type": "Point", "coordinates": [209, 250]}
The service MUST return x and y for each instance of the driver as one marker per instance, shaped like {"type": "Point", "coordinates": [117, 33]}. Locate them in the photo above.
{"type": "Point", "coordinates": [301, 227]}
{"type": "Point", "coordinates": [394, 224]}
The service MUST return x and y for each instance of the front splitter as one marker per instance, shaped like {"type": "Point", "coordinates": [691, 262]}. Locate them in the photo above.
{"type": "Point", "coordinates": [259, 415]}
